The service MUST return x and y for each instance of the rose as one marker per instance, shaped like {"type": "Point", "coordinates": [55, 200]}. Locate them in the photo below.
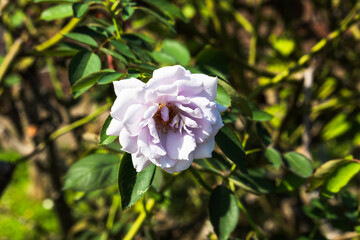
{"type": "Point", "coordinates": [169, 121]}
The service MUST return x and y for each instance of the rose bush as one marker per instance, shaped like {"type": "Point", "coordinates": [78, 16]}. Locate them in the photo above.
{"type": "Point", "coordinates": [169, 121]}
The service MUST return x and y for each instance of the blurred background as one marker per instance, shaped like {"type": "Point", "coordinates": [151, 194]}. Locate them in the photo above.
{"type": "Point", "coordinates": [309, 99]}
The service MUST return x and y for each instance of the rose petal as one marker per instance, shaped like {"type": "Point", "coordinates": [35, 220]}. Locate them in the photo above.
{"type": "Point", "coordinates": [209, 83]}
{"type": "Point", "coordinates": [139, 161]}
{"type": "Point", "coordinates": [127, 98]}
{"type": "Point", "coordinates": [128, 142]}
{"type": "Point", "coordinates": [114, 128]}
{"type": "Point", "coordinates": [133, 117]}
{"type": "Point", "coordinates": [179, 146]}
{"type": "Point", "coordinates": [126, 84]}
{"type": "Point", "coordinates": [204, 150]}
{"type": "Point", "coordinates": [166, 76]}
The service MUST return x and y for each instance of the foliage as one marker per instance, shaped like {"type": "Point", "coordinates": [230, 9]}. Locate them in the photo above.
{"type": "Point", "coordinates": [285, 165]}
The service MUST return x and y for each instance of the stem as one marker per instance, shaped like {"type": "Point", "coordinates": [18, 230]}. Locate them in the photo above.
{"type": "Point", "coordinates": [199, 179]}
{"type": "Point", "coordinates": [10, 56]}
{"type": "Point", "coordinates": [111, 217]}
{"type": "Point", "coordinates": [250, 220]}
{"type": "Point", "coordinates": [59, 35]}
{"type": "Point", "coordinates": [140, 219]}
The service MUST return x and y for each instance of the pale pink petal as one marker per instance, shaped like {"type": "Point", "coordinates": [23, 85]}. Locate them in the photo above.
{"type": "Point", "coordinates": [180, 165]}
{"type": "Point", "coordinates": [210, 85]}
{"type": "Point", "coordinates": [128, 142]}
{"type": "Point", "coordinates": [133, 117]}
{"type": "Point", "coordinates": [139, 161]}
{"type": "Point", "coordinates": [114, 128]}
{"type": "Point", "coordinates": [220, 108]}
{"type": "Point", "coordinates": [127, 98]}
{"type": "Point", "coordinates": [126, 84]}
{"type": "Point", "coordinates": [149, 113]}
{"type": "Point", "coordinates": [166, 76]}
{"type": "Point", "coordinates": [179, 146]}
{"type": "Point", "coordinates": [204, 150]}
{"type": "Point", "coordinates": [165, 114]}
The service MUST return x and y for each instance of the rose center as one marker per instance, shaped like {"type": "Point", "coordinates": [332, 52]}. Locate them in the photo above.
{"type": "Point", "coordinates": [164, 117]}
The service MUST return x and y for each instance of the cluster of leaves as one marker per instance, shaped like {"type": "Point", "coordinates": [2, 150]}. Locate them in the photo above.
{"type": "Point", "coordinates": [261, 151]}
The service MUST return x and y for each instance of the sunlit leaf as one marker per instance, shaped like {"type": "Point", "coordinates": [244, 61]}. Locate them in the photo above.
{"type": "Point", "coordinates": [273, 156]}
{"type": "Point", "coordinates": [222, 97]}
{"type": "Point", "coordinates": [79, 9]}
{"type": "Point", "coordinates": [178, 51]}
{"type": "Point", "coordinates": [57, 12]}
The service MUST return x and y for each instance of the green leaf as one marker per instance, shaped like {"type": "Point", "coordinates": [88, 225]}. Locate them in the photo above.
{"type": "Point", "coordinates": [82, 64]}
{"type": "Point", "coordinates": [54, 1]}
{"type": "Point", "coordinates": [162, 57]}
{"type": "Point", "coordinates": [83, 38]}
{"type": "Point", "coordinates": [273, 156]}
{"type": "Point", "coordinates": [223, 211]}
{"type": "Point", "coordinates": [79, 9]}
{"type": "Point", "coordinates": [88, 81]}
{"type": "Point", "coordinates": [261, 116]}
{"type": "Point", "coordinates": [110, 77]}
{"type": "Point", "coordinates": [336, 127]}
{"type": "Point", "coordinates": [178, 51]}
{"type": "Point", "coordinates": [322, 172]}
{"type": "Point", "coordinates": [123, 49]}
{"type": "Point", "coordinates": [105, 139]}
{"type": "Point", "coordinates": [264, 135]}
{"type": "Point", "coordinates": [57, 12]}
{"type": "Point", "coordinates": [168, 8]}
{"type": "Point", "coordinates": [92, 172]}
{"type": "Point", "coordinates": [133, 185]}
{"type": "Point", "coordinates": [231, 146]}
{"type": "Point", "coordinates": [114, 54]}
{"type": "Point", "coordinates": [298, 164]}
{"type": "Point", "coordinates": [236, 99]}
{"type": "Point", "coordinates": [339, 178]}
{"type": "Point", "coordinates": [127, 12]}
{"type": "Point", "coordinates": [222, 97]}
{"type": "Point", "coordinates": [158, 17]}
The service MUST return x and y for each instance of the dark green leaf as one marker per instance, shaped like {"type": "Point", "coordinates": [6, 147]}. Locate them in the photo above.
{"type": "Point", "coordinates": [105, 139]}
{"type": "Point", "coordinates": [82, 64]}
{"type": "Point", "coordinates": [231, 146]}
{"type": "Point", "coordinates": [261, 116]}
{"type": "Point", "coordinates": [54, 1]}
{"type": "Point", "coordinates": [122, 48]}
{"type": "Point", "coordinates": [223, 211]}
{"type": "Point", "coordinates": [57, 12]}
{"type": "Point", "coordinates": [79, 9]}
{"type": "Point", "coordinates": [110, 77]}
{"type": "Point", "coordinates": [133, 185]}
{"type": "Point", "coordinates": [127, 12]}
{"type": "Point", "coordinates": [264, 135]}
{"type": "Point", "coordinates": [114, 54]}
{"type": "Point", "coordinates": [273, 156]}
{"type": "Point", "coordinates": [88, 81]}
{"type": "Point", "coordinates": [92, 172]}
{"type": "Point", "coordinates": [158, 17]}
{"type": "Point", "coordinates": [168, 8]}
{"type": "Point", "coordinates": [178, 51]}
{"type": "Point", "coordinates": [298, 164]}
{"type": "Point", "coordinates": [83, 38]}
